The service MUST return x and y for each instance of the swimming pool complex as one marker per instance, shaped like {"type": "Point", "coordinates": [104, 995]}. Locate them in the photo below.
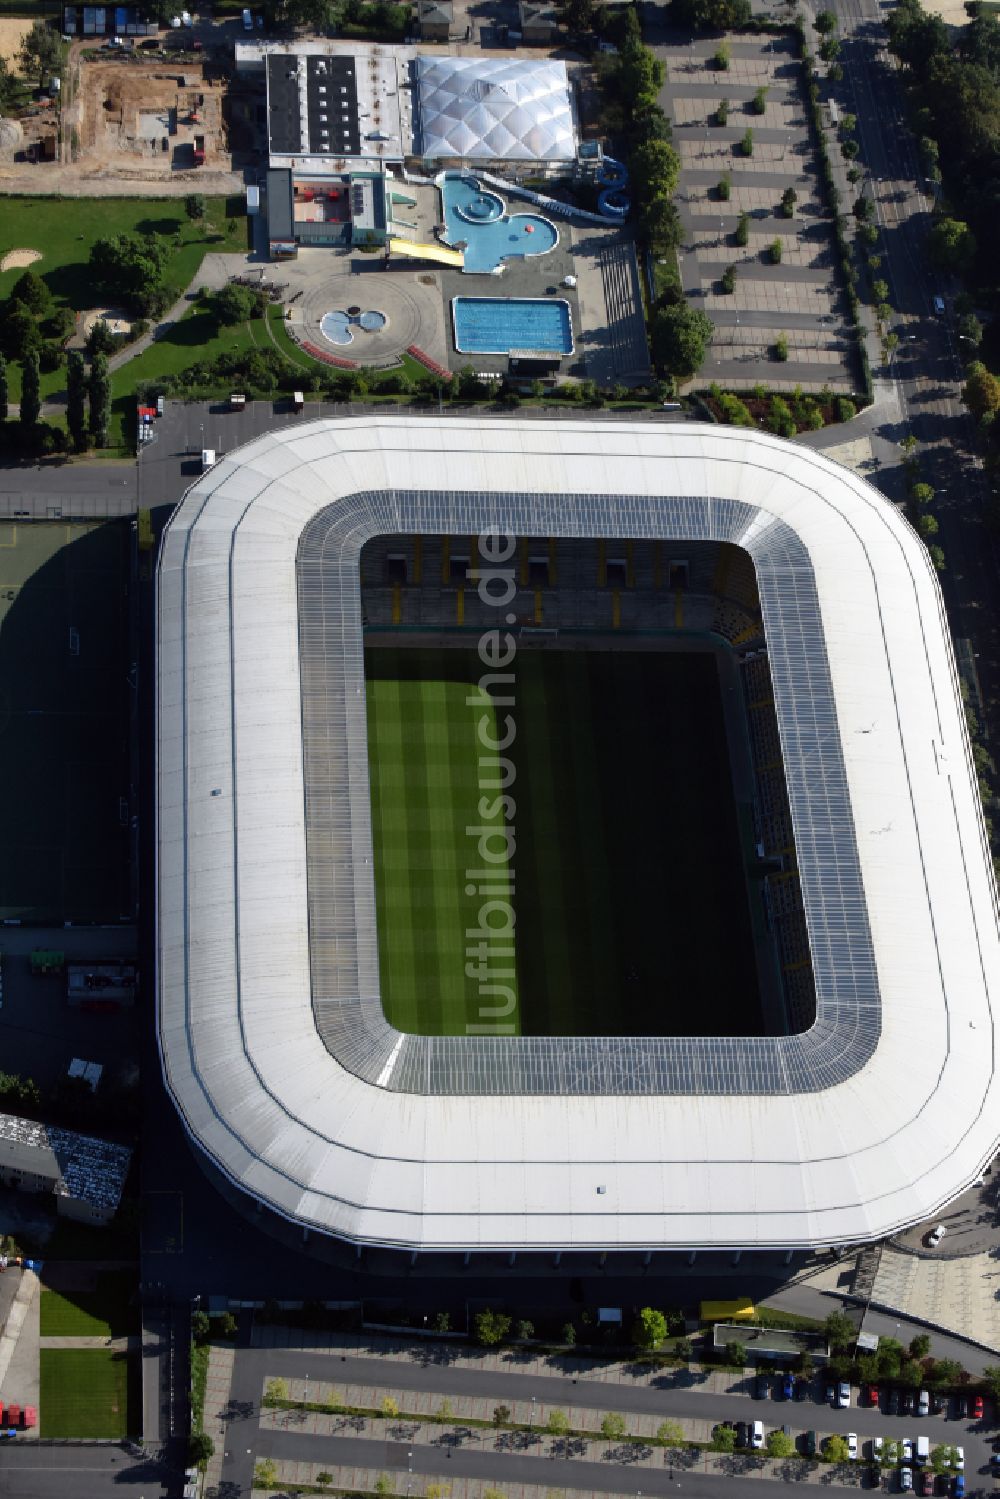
{"type": "Point", "coordinates": [336, 326]}
{"type": "Point", "coordinates": [495, 325]}
{"type": "Point", "coordinates": [476, 217]}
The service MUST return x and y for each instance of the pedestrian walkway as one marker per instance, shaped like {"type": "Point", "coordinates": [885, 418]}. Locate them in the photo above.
{"type": "Point", "coordinates": [128, 1344]}
{"type": "Point", "coordinates": [218, 1384]}
{"type": "Point", "coordinates": [455, 1407]}
{"type": "Point", "coordinates": [957, 1295]}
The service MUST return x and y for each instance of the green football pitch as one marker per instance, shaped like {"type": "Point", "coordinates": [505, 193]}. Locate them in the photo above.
{"type": "Point", "coordinates": [628, 879]}
{"type": "Point", "coordinates": [63, 724]}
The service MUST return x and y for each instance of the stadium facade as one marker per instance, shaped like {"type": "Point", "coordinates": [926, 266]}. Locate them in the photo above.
{"type": "Point", "coordinates": [274, 1045]}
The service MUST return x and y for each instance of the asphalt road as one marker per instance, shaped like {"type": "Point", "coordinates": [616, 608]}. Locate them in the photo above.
{"type": "Point", "coordinates": [51, 491]}
{"type": "Point", "coordinates": [31, 1470]}
{"type": "Point", "coordinates": [613, 1476]}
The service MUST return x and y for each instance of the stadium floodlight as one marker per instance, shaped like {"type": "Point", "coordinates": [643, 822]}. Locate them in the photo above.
{"type": "Point", "coordinates": [274, 1044]}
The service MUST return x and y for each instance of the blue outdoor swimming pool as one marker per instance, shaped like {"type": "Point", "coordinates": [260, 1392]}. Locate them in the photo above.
{"type": "Point", "coordinates": [476, 217]}
{"type": "Point", "coordinates": [495, 325]}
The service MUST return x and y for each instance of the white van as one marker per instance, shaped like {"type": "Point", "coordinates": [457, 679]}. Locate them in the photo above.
{"type": "Point", "coordinates": [207, 459]}
{"type": "Point", "coordinates": [923, 1451]}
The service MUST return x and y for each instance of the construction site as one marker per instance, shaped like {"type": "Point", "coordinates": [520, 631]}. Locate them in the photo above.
{"type": "Point", "coordinates": [168, 115]}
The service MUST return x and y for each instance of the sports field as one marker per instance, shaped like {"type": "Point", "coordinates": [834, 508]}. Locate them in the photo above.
{"type": "Point", "coordinates": [628, 884]}
{"type": "Point", "coordinates": [63, 721]}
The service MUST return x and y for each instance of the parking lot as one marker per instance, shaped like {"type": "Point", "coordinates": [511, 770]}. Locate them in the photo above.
{"type": "Point", "coordinates": [798, 298]}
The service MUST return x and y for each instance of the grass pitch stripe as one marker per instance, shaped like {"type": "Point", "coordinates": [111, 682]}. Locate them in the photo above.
{"type": "Point", "coordinates": [392, 856]}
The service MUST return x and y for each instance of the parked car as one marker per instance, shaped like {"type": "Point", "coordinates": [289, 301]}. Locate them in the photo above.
{"type": "Point", "coordinates": [757, 1435]}
{"type": "Point", "coordinates": [923, 1403]}
{"type": "Point", "coordinates": [843, 1394]}
{"type": "Point", "coordinates": [963, 1407]}
{"type": "Point", "coordinates": [892, 1402]}
{"type": "Point", "coordinates": [831, 1394]}
{"type": "Point", "coordinates": [852, 1446]}
{"type": "Point", "coordinates": [938, 1232]}
{"type": "Point", "coordinates": [876, 1446]}
{"type": "Point", "coordinates": [995, 1462]}
{"type": "Point", "coordinates": [939, 1403]}
{"type": "Point", "coordinates": [958, 1486]}
{"type": "Point", "coordinates": [905, 1480]}
{"type": "Point", "coordinates": [762, 1387]}
{"type": "Point", "coordinates": [809, 1443]}
{"type": "Point", "coordinates": [869, 1394]}
{"type": "Point", "coordinates": [742, 1434]}
{"type": "Point", "coordinates": [977, 1407]}
{"type": "Point", "coordinates": [787, 1387]}
{"type": "Point", "coordinates": [801, 1389]}
{"type": "Point", "coordinates": [906, 1450]}
{"type": "Point", "coordinates": [908, 1402]}
{"type": "Point", "coordinates": [927, 1482]}
{"type": "Point", "coordinates": [959, 1460]}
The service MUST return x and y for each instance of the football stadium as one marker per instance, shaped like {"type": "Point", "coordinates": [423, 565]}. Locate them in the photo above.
{"type": "Point", "coordinates": [568, 839]}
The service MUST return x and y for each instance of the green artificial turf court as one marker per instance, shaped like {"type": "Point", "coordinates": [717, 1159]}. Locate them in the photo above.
{"type": "Point", "coordinates": [63, 720]}
{"type": "Point", "coordinates": [632, 915]}
{"type": "Point", "coordinates": [84, 1392]}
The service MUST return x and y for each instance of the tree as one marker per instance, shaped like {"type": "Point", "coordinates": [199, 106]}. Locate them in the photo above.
{"type": "Point", "coordinates": [227, 1322]}
{"type": "Point", "coordinates": [670, 1434]}
{"type": "Point", "coordinates": [742, 234]}
{"type": "Point", "coordinates": [655, 168]}
{"type": "Point", "coordinates": [804, 1363]}
{"type": "Point", "coordinates": [759, 105]}
{"type": "Point", "coordinates": [99, 390]}
{"type": "Point", "coordinates": [736, 1355]}
{"type": "Point", "coordinates": [724, 187]}
{"type": "Point", "coordinates": [20, 334]}
{"type": "Point", "coordinates": [789, 198]}
{"type": "Point", "coordinates": [383, 1483]}
{"type": "Point", "coordinates": [8, 87]}
{"type": "Point", "coordinates": [981, 392]}
{"type": "Point", "coordinates": [943, 1370]}
{"type": "Point", "coordinates": [558, 1423]}
{"type": "Point", "coordinates": [746, 144]}
{"type": "Point", "coordinates": [4, 389]}
{"type": "Point", "coordinates": [835, 1450]}
{"type": "Point", "coordinates": [131, 268]}
{"type": "Point", "coordinates": [951, 246]}
{"type": "Point", "coordinates": [389, 1408]}
{"type": "Point", "coordinates": [324, 1478]}
{"type": "Point", "coordinates": [640, 74]}
{"type": "Point", "coordinates": [569, 1334]}
{"type": "Point", "coordinates": [937, 557]}
{"type": "Point", "coordinates": [30, 290]}
{"type": "Point", "coordinates": [442, 1322]}
{"type": "Point", "coordinates": [200, 1447]}
{"type": "Point", "coordinates": [524, 1331]}
{"type": "Point", "coordinates": [684, 1350]}
{"type": "Point", "coordinates": [920, 1346]}
{"type": "Point", "coordinates": [778, 1444]}
{"type": "Point", "coordinates": [501, 1415]}
{"type": "Point", "coordinates": [775, 250]}
{"type": "Point", "coordinates": [649, 1328]}
{"type": "Point", "coordinates": [41, 53]}
{"type": "Point", "coordinates": [275, 1391]}
{"type": "Point", "coordinates": [781, 348]}
{"type": "Point", "coordinates": [613, 1427]}
{"type": "Point", "coordinates": [892, 1451]}
{"type": "Point", "coordinates": [194, 206]}
{"type": "Point", "coordinates": [970, 329]}
{"type": "Point", "coordinates": [680, 336]}
{"type": "Point", "coordinates": [829, 49]}
{"type": "Point", "coordinates": [721, 56]}
{"type": "Point", "coordinates": [312, 14]}
{"type": "Point", "coordinates": [991, 1375]}
{"type": "Point", "coordinates": [722, 112]}
{"type": "Point", "coordinates": [234, 304]}
{"type": "Point", "coordinates": [943, 1458]}
{"type": "Point", "coordinates": [201, 1327]}
{"type": "Point", "coordinates": [579, 14]}
{"type": "Point", "coordinates": [491, 1327]}
{"type": "Point", "coordinates": [825, 22]}
{"type": "Point", "coordinates": [710, 15]}
{"type": "Point", "coordinates": [76, 400]}
{"type": "Point", "coordinates": [31, 399]}
{"type": "Point", "coordinates": [445, 1411]}
{"type": "Point", "coordinates": [727, 282]}
{"type": "Point", "coordinates": [839, 1330]}
{"type": "Point", "coordinates": [265, 1472]}
{"type": "Point", "coordinates": [724, 1439]}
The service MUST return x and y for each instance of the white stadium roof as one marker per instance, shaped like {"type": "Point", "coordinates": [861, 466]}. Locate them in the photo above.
{"type": "Point", "coordinates": [494, 109]}
{"type": "Point", "coordinates": [273, 1043]}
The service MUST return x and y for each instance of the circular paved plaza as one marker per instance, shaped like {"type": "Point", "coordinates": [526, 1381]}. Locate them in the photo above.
{"type": "Point", "coordinates": [412, 311]}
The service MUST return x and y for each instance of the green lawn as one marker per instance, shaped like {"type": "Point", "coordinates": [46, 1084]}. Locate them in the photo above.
{"type": "Point", "coordinates": [63, 720]}
{"type": "Point", "coordinates": [84, 1393]}
{"type": "Point", "coordinates": [631, 904]}
{"type": "Point", "coordinates": [64, 229]}
{"type": "Point", "coordinates": [104, 1311]}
